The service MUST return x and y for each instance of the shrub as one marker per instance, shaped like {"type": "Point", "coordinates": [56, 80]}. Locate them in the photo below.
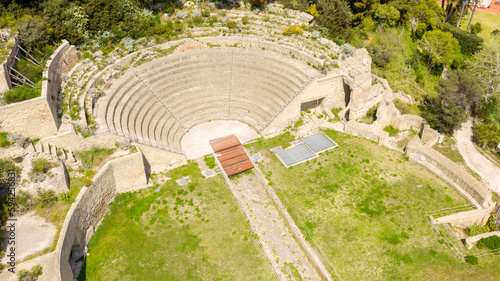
{"type": "Point", "coordinates": [31, 275]}
{"type": "Point", "coordinates": [17, 94]}
{"type": "Point", "coordinates": [348, 49]}
{"type": "Point", "coordinates": [17, 138]}
{"type": "Point", "coordinates": [259, 3]}
{"type": "Point", "coordinates": [128, 43]}
{"type": "Point", "coordinates": [23, 199]}
{"type": "Point", "coordinates": [205, 13]}
{"type": "Point", "coordinates": [182, 14]}
{"type": "Point", "coordinates": [224, 20]}
{"type": "Point", "coordinates": [36, 177]}
{"type": "Point", "coordinates": [196, 13]}
{"type": "Point", "coordinates": [222, 13]}
{"type": "Point", "coordinates": [294, 29]}
{"type": "Point", "coordinates": [4, 142]}
{"type": "Point", "coordinates": [244, 20]}
{"type": "Point", "coordinates": [40, 165]}
{"type": "Point", "coordinates": [471, 260]}
{"type": "Point", "coordinates": [492, 243]}
{"type": "Point", "coordinates": [469, 43]}
{"type": "Point", "coordinates": [315, 34]}
{"type": "Point", "coordinates": [476, 28]}
{"type": "Point", "coordinates": [45, 198]}
{"type": "Point", "coordinates": [213, 19]}
{"type": "Point", "coordinates": [372, 112]}
{"type": "Point", "coordinates": [198, 20]}
{"type": "Point", "coordinates": [231, 24]}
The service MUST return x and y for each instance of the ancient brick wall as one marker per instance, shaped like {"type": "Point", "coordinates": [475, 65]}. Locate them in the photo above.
{"type": "Point", "coordinates": [37, 118]}
{"type": "Point", "coordinates": [120, 175]}
{"type": "Point", "coordinates": [366, 131]}
{"type": "Point", "coordinates": [5, 83]}
{"type": "Point", "coordinates": [448, 170]}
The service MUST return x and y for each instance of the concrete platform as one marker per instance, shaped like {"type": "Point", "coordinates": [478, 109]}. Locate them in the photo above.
{"type": "Point", "coordinates": [195, 143]}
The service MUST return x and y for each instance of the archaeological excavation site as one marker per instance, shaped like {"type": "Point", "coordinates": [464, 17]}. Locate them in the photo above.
{"type": "Point", "coordinates": [233, 150]}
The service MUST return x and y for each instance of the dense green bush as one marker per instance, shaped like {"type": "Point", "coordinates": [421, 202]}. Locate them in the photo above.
{"type": "Point", "coordinates": [471, 260]}
{"type": "Point", "coordinates": [18, 94]}
{"type": "Point", "coordinates": [45, 198]}
{"type": "Point", "coordinates": [469, 43]}
{"type": "Point", "coordinates": [3, 140]}
{"type": "Point", "coordinates": [5, 166]}
{"type": "Point", "coordinates": [492, 243]}
{"type": "Point", "coordinates": [40, 165]}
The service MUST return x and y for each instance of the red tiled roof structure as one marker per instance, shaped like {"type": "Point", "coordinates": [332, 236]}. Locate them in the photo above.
{"type": "Point", "coordinates": [231, 155]}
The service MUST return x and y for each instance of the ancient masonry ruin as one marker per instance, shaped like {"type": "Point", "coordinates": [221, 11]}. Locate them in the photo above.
{"type": "Point", "coordinates": [261, 83]}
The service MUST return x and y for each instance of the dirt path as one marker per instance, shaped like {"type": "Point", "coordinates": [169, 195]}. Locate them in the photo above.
{"type": "Point", "coordinates": [489, 172]}
{"type": "Point", "coordinates": [279, 245]}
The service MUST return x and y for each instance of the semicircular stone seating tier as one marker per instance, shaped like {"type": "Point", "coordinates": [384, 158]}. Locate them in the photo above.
{"type": "Point", "coordinates": [157, 102]}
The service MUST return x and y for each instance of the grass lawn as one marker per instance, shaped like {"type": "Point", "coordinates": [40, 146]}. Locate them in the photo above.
{"type": "Point", "coordinates": [195, 232]}
{"type": "Point", "coordinates": [365, 205]}
{"type": "Point", "coordinates": [489, 22]}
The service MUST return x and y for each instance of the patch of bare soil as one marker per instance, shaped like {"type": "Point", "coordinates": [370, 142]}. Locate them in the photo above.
{"type": "Point", "coordinates": [489, 172]}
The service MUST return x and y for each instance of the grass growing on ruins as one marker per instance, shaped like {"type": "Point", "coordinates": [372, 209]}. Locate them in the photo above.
{"type": "Point", "coordinates": [193, 232]}
{"type": "Point", "coordinates": [365, 206]}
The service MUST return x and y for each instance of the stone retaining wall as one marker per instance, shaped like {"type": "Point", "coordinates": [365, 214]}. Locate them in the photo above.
{"type": "Point", "coordinates": [464, 219]}
{"type": "Point", "coordinates": [120, 175]}
{"type": "Point", "coordinates": [472, 240]}
{"type": "Point", "coordinates": [5, 83]}
{"type": "Point", "coordinates": [37, 118]}
{"type": "Point", "coordinates": [61, 61]}
{"type": "Point", "coordinates": [437, 163]}
{"type": "Point", "coordinates": [366, 131]}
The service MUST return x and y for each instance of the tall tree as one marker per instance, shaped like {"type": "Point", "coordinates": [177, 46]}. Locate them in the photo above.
{"type": "Point", "coordinates": [335, 15]}
{"type": "Point", "coordinates": [439, 47]}
{"type": "Point", "coordinates": [486, 67]}
{"type": "Point", "coordinates": [472, 16]}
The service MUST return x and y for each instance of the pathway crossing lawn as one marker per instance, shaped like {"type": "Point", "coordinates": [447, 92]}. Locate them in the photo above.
{"type": "Point", "coordinates": [194, 232]}
{"type": "Point", "coordinates": [365, 205]}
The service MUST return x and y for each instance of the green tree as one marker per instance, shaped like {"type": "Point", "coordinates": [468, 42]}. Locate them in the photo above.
{"type": "Point", "coordinates": [383, 46]}
{"type": "Point", "coordinates": [476, 28]}
{"type": "Point", "coordinates": [443, 114]}
{"type": "Point", "coordinates": [387, 14]}
{"type": "Point", "coordinates": [458, 95]}
{"type": "Point", "coordinates": [486, 67]}
{"type": "Point", "coordinates": [32, 31]}
{"type": "Point", "coordinates": [334, 15]}
{"type": "Point", "coordinates": [439, 47]}
{"type": "Point", "coordinates": [424, 15]}
{"type": "Point", "coordinates": [461, 86]}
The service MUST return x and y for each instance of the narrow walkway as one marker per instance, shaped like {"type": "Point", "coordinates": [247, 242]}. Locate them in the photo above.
{"type": "Point", "coordinates": [489, 172]}
{"type": "Point", "coordinates": [279, 245]}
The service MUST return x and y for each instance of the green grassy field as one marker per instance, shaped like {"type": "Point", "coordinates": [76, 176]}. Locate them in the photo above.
{"type": "Point", "coordinates": [365, 206]}
{"type": "Point", "coordinates": [195, 232]}
{"type": "Point", "coordinates": [489, 22]}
